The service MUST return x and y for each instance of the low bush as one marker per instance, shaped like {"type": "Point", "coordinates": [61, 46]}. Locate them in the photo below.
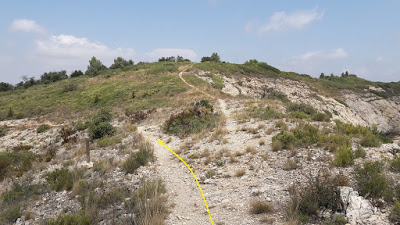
{"type": "Point", "coordinates": [67, 133]}
{"type": "Point", "coordinates": [265, 113]}
{"type": "Point", "coordinates": [336, 220]}
{"type": "Point", "coordinates": [370, 141]}
{"type": "Point", "coordinates": [395, 213]}
{"type": "Point", "coordinates": [218, 83]}
{"type": "Point", "coordinates": [80, 125]}
{"type": "Point", "coordinates": [371, 180]}
{"type": "Point", "coordinates": [359, 153]}
{"type": "Point", "coordinates": [148, 205]}
{"type": "Point", "coordinates": [343, 157]}
{"type": "Point", "coordinates": [301, 107]}
{"type": "Point", "coordinates": [70, 219]}
{"type": "Point", "coordinates": [395, 164]}
{"type": "Point", "coordinates": [271, 93]}
{"type": "Point", "coordinates": [138, 159]}
{"type": "Point", "coordinates": [100, 125]}
{"type": "Point", "coordinates": [108, 141]}
{"type": "Point", "coordinates": [61, 179]}
{"type": "Point", "coordinates": [3, 131]}
{"type": "Point", "coordinates": [194, 119]}
{"type": "Point", "coordinates": [260, 207]}
{"type": "Point", "coordinates": [321, 192]}
{"type": "Point", "coordinates": [322, 117]}
{"type": "Point", "coordinates": [10, 214]}
{"type": "Point", "coordinates": [43, 128]}
{"type": "Point", "coordinates": [15, 163]}
{"type": "Point", "coordinates": [22, 191]}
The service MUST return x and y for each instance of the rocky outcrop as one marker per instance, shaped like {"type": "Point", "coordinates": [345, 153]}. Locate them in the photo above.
{"type": "Point", "coordinates": [359, 210]}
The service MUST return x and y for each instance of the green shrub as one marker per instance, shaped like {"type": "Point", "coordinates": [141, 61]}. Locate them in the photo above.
{"type": "Point", "coordinates": [322, 117]}
{"type": "Point", "coordinates": [285, 138]}
{"type": "Point", "coordinates": [15, 163]}
{"type": "Point", "coordinates": [194, 119]}
{"type": "Point", "coordinates": [301, 107]}
{"type": "Point", "coordinates": [321, 192]}
{"type": "Point", "coordinates": [70, 219]}
{"type": "Point", "coordinates": [43, 128]}
{"type": "Point", "coordinates": [370, 141]}
{"type": "Point", "coordinates": [95, 67]}
{"type": "Point", "coordinates": [336, 220]}
{"type": "Point", "coordinates": [341, 102]}
{"type": "Point", "coordinates": [3, 131]}
{"type": "Point", "coordinates": [276, 95]}
{"type": "Point", "coordinates": [11, 214]}
{"type": "Point", "coordinates": [138, 159]}
{"type": "Point", "coordinates": [80, 125]}
{"type": "Point", "coordinates": [108, 141]}
{"type": "Point", "coordinates": [100, 125]}
{"type": "Point", "coordinates": [22, 191]}
{"type": "Point", "coordinates": [60, 179]}
{"type": "Point", "coordinates": [395, 164]}
{"type": "Point", "coordinates": [359, 153]}
{"type": "Point", "coordinates": [343, 157]}
{"type": "Point", "coordinates": [265, 113]}
{"type": "Point", "coordinates": [371, 180]}
{"type": "Point", "coordinates": [395, 213]}
{"type": "Point", "coordinates": [67, 133]}
{"type": "Point", "coordinates": [218, 83]}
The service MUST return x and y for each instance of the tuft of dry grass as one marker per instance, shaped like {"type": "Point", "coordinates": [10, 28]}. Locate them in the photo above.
{"type": "Point", "coordinates": [269, 131]}
{"type": "Point", "coordinates": [240, 172]}
{"type": "Point", "coordinates": [239, 153]}
{"type": "Point", "coordinates": [261, 142]}
{"type": "Point", "coordinates": [290, 165]}
{"type": "Point", "coordinates": [260, 207]}
{"type": "Point", "coordinates": [251, 149]}
{"type": "Point", "coordinates": [233, 159]}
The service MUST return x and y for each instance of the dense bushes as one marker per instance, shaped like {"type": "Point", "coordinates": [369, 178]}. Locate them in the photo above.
{"type": "Point", "coordinates": [95, 67]}
{"type": "Point", "coordinates": [213, 58]}
{"type": "Point", "coordinates": [3, 131]}
{"type": "Point", "coordinates": [15, 163]}
{"type": "Point", "coordinates": [265, 113]}
{"type": "Point", "coordinates": [193, 119]}
{"type": "Point", "coordinates": [320, 192]}
{"type": "Point", "coordinates": [217, 82]}
{"type": "Point", "coordinates": [121, 63]}
{"type": "Point", "coordinates": [302, 136]}
{"type": "Point", "coordinates": [100, 125]}
{"type": "Point", "coordinates": [371, 181]}
{"type": "Point", "coordinates": [138, 159]}
{"type": "Point", "coordinates": [70, 219]}
{"type": "Point", "coordinates": [61, 179]}
{"type": "Point", "coordinates": [42, 128]}
{"type": "Point", "coordinates": [54, 76]}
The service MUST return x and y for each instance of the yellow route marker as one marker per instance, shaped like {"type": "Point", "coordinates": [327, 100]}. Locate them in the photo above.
{"type": "Point", "coordinates": [205, 202]}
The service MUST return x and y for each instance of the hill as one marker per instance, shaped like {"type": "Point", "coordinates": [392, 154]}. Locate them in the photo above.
{"type": "Point", "coordinates": [268, 146]}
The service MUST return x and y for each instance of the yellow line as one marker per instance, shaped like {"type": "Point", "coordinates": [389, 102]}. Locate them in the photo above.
{"type": "Point", "coordinates": [205, 202]}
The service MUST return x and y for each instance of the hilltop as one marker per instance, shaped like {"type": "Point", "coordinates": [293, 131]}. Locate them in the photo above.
{"type": "Point", "coordinates": [268, 146]}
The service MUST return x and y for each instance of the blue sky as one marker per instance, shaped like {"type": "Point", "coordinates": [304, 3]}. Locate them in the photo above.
{"type": "Point", "coordinates": [309, 37]}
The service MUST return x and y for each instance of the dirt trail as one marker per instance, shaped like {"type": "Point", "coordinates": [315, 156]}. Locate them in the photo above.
{"type": "Point", "coordinates": [183, 192]}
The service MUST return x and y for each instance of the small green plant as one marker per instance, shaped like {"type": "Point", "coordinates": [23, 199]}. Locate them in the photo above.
{"type": "Point", "coordinates": [210, 174]}
{"type": "Point", "coordinates": [80, 125]}
{"type": "Point", "coordinates": [395, 164]}
{"type": "Point", "coordinates": [341, 102]}
{"type": "Point", "coordinates": [11, 214]}
{"type": "Point", "coordinates": [100, 125]}
{"type": "Point", "coordinates": [301, 107]}
{"type": "Point", "coordinates": [194, 119]}
{"type": "Point", "coordinates": [218, 83]}
{"type": "Point", "coordinates": [3, 130]}
{"type": "Point", "coordinates": [43, 128]}
{"type": "Point", "coordinates": [395, 213]}
{"type": "Point", "coordinates": [109, 141]}
{"type": "Point", "coordinates": [71, 219]}
{"type": "Point", "coordinates": [138, 159]}
{"type": "Point", "coordinates": [343, 157]}
{"type": "Point", "coordinates": [60, 179]}
{"type": "Point", "coordinates": [360, 152]}
{"type": "Point", "coordinates": [149, 203]}
{"type": "Point", "coordinates": [371, 181]}
{"type": "Point", "coordinates": [15, 163]}
{"type": "Point", "coordinates": [370, 141]}
{"type": "Point", "coordinates": [336, 220]}
{"type": "Point", "coordinates": [260, 207]}
{"type": "Point", "coordinates": [265, 113]}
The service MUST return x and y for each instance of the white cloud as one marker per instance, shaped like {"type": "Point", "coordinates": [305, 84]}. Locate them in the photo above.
{"type": "Point", "coordinates": [280, 21]}
{"type": "Point", "coordinates": [332, 54]}
{"type": "Point", "coordinates": [70, 47]}
{"type": "Point", "coordinates": [26, 26]}
{"type": "Point", "coordinates": [166, 52]}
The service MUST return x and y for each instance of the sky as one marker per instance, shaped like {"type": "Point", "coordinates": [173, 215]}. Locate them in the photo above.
{"type": "Point", "coordinates": [308, 36]}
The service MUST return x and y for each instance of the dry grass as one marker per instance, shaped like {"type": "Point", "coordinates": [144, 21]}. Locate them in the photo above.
{"type": "Point", "coordinates": [233, 159]}
{"type": "Point", "coordinates": [261, 142]}
{"type": "Point", "coordinates": [260, 207]}
{"type": "Point", "coordinates": [251, 149]}
{"type": "Point", "coordinates": [290, 165]}
{"type": "Point", "coordinates": [239, 153]}
{"type": "Point", "coordinates": [269, 131]}
{"type": "Point", "coordinates": [240, 172]}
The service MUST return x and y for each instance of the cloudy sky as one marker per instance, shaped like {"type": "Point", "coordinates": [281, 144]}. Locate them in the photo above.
{"type": "Point", "coordinates": [360, 36]}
